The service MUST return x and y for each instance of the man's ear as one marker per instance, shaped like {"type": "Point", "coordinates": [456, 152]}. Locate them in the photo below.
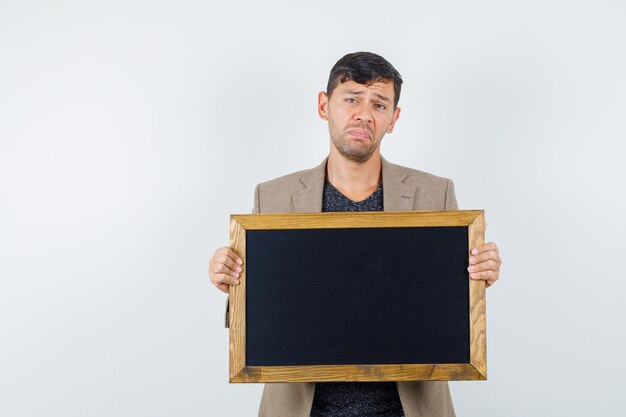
{"type": "Point", "coordinates": [396, 114]}
{"type": "Point", "coordinates": [322, 105]}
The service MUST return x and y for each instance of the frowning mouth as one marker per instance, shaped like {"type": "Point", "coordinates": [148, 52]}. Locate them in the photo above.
{"type": "Point", "coordinates": [359, 133]}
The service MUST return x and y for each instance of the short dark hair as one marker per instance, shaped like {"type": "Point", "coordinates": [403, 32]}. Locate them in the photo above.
{"type": "Point", "coordinates": [364, 68]}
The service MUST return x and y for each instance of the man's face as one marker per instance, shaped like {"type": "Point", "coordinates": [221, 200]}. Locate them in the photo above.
{"type": "Point", "coordinates": [358, 117]}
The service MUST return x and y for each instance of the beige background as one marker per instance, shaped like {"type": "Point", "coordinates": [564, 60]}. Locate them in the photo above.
{"type": "Point", "coordinates": [130, 130]}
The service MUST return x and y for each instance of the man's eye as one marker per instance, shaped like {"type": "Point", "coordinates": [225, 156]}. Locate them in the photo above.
{"type": "Point", "coordinates": [380, 106]}
{"type": "Point", "coordinates": [351, 100]}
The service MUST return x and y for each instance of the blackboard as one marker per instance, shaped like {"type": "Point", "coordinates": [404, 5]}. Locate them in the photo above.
{"type": "Point", "coordinates": [386, 298]}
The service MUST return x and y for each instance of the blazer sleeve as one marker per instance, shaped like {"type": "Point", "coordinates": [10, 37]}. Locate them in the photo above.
{"type": "Point", "coordinates": [450, 203]}
{"type": "Point", "coordinates": [256, 208]}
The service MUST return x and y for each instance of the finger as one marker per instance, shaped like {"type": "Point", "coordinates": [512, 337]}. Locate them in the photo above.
{"type": "Point", "coordinates": [223, 288]}
{"type": "Point", "coordinates": [485, 256]}
{"type": "Point", "coordinates": [229, 253]}
{"type": "Point", "coordinates": [223, 264]}
{"type": "Point", "coordinates": [218, 270]}
{"type": "Point", "coordinates": [489, 276]}
{"type": "Point", "coordinates": [489, 265]}
{"type": "Point", "coordinates": [485, 248]}
{"type": "Point", "coordinates": [220, 279]}
{"type": "Point", "coordinates": [228, 262]}
{"type": "Point", "coordinates": [221, 269]}
{"type": "Point", "coordinates": [489, 246]}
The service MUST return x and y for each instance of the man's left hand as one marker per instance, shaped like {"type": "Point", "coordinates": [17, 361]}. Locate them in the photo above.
{"type": "Point", "coordinates": [485, 263]}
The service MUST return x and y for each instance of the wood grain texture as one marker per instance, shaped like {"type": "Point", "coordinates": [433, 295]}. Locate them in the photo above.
{"type": "Point", "coordinates": [356, 220]}
{"type": "Point", "coordinates": [478, 326]}
{"type": "Point", "coordinates": [476, 369]}
{"type": "Point", "coordinates": [237, 306]}
{"type": "Point", "coordinates": [361, 373]}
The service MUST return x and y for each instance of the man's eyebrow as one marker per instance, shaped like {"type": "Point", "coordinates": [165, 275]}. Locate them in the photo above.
{"type": "Point", "coordinates": [353, 92]}
{"type": "Point", "coordinates": [360, 92]}
{"type": "Point", "coordinates": [383, 98]}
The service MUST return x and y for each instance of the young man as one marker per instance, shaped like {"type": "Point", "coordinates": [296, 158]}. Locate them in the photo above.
{"type": "Point", "coordinates": [360, 106]}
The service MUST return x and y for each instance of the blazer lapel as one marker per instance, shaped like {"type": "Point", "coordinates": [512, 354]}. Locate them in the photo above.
{"type": "Point", "coordinates": [397, 196]}
{"type": "Point", "coordinates": [309, 198]}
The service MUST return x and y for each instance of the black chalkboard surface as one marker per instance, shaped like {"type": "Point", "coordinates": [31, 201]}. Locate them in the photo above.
{"type": "Point", "coordinates": [377, 302]}
{"type": "Point", "coordinates": [357, 296]}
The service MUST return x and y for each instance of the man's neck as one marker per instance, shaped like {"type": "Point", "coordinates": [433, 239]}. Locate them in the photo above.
{"type": "Point", "coordinates": [355, 180]}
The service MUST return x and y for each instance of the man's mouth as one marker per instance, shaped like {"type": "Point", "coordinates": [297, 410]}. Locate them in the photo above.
{"type": "Point", "coordinates": [359, 133]}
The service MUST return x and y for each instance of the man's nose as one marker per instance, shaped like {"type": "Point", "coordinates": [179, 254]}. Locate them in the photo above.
{"type": "Point", "coordinates": [363, 113]}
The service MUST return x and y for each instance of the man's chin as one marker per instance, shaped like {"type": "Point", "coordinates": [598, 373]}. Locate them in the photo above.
{"type": "Point", "coordinates": [355, 150]}
{"type": "Point", "coordinates": [356, 156]}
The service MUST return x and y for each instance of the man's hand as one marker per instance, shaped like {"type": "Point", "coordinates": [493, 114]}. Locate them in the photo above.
{"type": "Point", "coordinates": [485, 263]}
{"type": "Point", "coordinates": [224, 268]}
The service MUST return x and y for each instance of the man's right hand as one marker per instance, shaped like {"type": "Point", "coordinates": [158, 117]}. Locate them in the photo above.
{"type": "Point", "coordinates": [224, 268]}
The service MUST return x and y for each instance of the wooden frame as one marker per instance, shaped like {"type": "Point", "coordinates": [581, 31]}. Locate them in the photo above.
{"type": "Point", "coordinates": [475, 369]}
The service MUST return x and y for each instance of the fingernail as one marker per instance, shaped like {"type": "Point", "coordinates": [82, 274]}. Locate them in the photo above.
{"type": "Point", "coordinates": [474, 251]}
{"type": "Point", "coordinates": [473, 275]}
{"type": "Point", "coordinates": [239, 261]}
{"type": "Point", "coordinates": [471, 269]}
{"type": "Point", "coordinates": [236, 275]}
{"type": "Point", "coordinates": [238, 269]}
{"type": "Point", "coordinates": [236, 282]}
{"type": "Point", "coordinates": [472, 260]}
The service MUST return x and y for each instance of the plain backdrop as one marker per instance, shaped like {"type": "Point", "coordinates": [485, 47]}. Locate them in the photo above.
{"type": "Point", "coordinates": [131, 130]}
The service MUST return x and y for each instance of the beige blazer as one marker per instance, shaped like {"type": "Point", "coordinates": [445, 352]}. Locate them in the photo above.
{"type": "Point", "coordinates": [403, 189]}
